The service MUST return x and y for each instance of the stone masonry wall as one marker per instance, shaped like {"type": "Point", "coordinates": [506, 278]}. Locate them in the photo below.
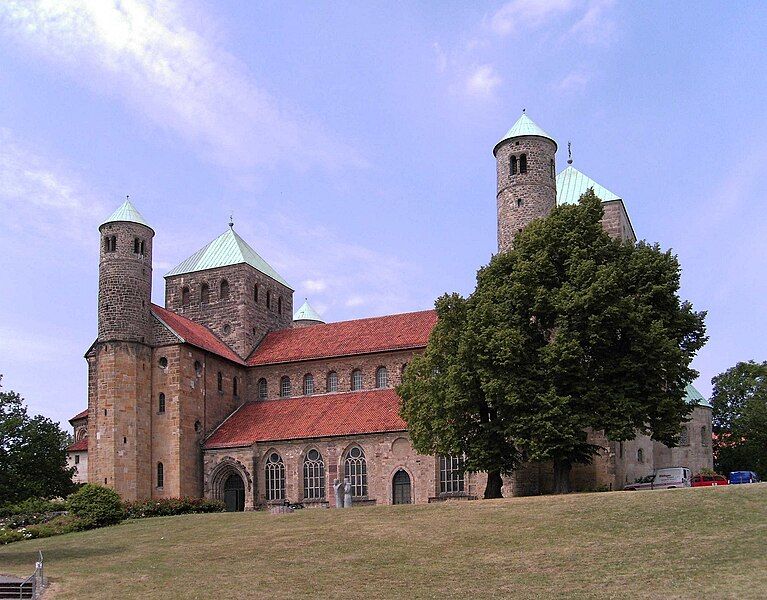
{"type": "Point", "coordinates": [616, 221]}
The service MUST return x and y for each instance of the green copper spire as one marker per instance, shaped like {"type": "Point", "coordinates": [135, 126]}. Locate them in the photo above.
{"type": "Point", "coordinates": [227, 249]}
{"type": "Point", "coordinates": [307, 313]}
{"type": "Point", "coordinates": [127, 213]}
{"type": "Point", "coordinates": [572, 184]}
{"type": "Point", "coordinates": [694, 397]}
{"type": "Point", "coordinates": [524, 126]}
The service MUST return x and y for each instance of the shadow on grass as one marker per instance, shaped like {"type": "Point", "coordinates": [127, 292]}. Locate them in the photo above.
{"type": "Point", "coordinates": [29, 557]}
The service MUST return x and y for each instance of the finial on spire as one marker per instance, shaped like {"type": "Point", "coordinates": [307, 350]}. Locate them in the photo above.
{"type": "Point", "coordinates": [523, 111]}
{"type": "Point", "coordinates": [127, 197]}
{"type": "Point", "coordinates": [569, 154]}
{"type": "Point", "coordinates": [231, 220]}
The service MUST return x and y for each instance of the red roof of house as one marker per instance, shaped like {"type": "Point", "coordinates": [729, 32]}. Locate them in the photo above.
{"type": "Point", "coordinates": [81, 446]}
{"type": "Point", "coordinates": [195, 334]}
{"type": "Point", "coordinates": [361, 336]}
{"type": "Point", "coordinates": [80, 415]}
{"type": "Point", "coordinates": [349, 413]}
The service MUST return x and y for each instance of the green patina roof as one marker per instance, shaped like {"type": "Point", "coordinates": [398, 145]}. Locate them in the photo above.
{"type": "Point", "coordinates": [127, 212]}
{"type": "Point", "coordinates": [693, 396]}
{"type": "Point", "coordinates": [227, 249]}
{"type": "Point", "coordinates": [524, 126]}
{"type": "Point", "coordinates": [307, 313]}
{"type": "Point", "coordinates": [572, 184]}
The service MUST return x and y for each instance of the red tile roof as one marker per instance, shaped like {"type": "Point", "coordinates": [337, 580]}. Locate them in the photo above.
{"type": "Point", "coordinates": [195, 334]}
{"type": "Point", "coordinates": [361, 336]}
{"type": "Point", "coordinates": [349, 413]}
{"type": "Point", "coordinates": [81, 446]}
{"type": "Point", "coordinates": [80, 415]}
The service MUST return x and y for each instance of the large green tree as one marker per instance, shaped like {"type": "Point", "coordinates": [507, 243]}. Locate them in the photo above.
{"type": "Point", "coordinates": [739, 404]}
{"type": "Point", "coordinates": [570, 330]}
{"type": "Point", "coordinates": [32, 453]}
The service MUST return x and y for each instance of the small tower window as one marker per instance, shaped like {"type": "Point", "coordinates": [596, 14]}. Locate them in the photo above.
{"type": "Point", "coordinates": [198, 368]}
{"type": "Point", "coordinates": [279, 305]}
{"type": "Point", "coordinates": [224, 290]}
{"type": "Point", "coordinates": [356, 380]}
{"type": "Point", "coordinates": [523, 163]}
{"type": "Point", "coordinates": [136, 246]}
{"type": "Point", "coordinates": [551, 168]}
{"type": "Point", "coordinates": [513, 165]}
{"type": "Point", "coordinates": [160, 475]}
{"type": "Point", "coordinates": [204, 293]}
{"type": "Point", "coordinates": [263, 390]}
{"type": "Point", "coordinates": [235, 387]}
{"type": "Point", "coordinates": [184, 296]}
{"type": "Point", "coordinates": [308, 384]}
{"type": "Point", "coordinates": [161, 403]}
{"type": "Point", "coordinates": [163, 362]}
{"type": "Point", "coordinates": [519, 202]}
{"type": "Point", "coordinates": [640, 455]}
{"type": "Point", "coordinates": [268, 299]}
{"type": "Point", "coordinates": [255, 293]}
{"type": "Point", "coordinates": [332, 382]}
{"type": "Point", "coordinates": [110, 243]}
{"type": "Point", "coordinates": [285, 388]}
{"type": "Point", "coordinates": [142, 248]}
{"type": "Point", "coordinates": [220, 381]}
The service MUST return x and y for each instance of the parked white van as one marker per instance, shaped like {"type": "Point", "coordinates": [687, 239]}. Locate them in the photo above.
{"type": "Point", "coordinates": [662, 479]}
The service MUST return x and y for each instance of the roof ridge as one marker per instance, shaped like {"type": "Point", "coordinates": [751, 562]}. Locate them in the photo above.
{"type": "Point", "coordinates": [412, 312]}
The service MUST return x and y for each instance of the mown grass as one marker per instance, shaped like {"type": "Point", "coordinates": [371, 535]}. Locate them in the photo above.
{"type": "Point", "coordinates": [665, 544]}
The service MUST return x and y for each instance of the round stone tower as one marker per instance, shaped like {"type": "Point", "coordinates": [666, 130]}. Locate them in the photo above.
{"type": "Point", "coordinates": [125, 277]}
{"type": "Point", "coordinates": [526, 171]}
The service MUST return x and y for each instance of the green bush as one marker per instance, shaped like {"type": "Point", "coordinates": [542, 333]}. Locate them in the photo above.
{"type": "Point", "coordinates": [32, 506]}
{"type": "Point", "coordinates": [171, 506]}
{"type": "Point", "coordinates": [56, 526]}
{"type": "Point", "coordinates": [96, 506]}
{"type": "Point", "coordinates": [9, 535]}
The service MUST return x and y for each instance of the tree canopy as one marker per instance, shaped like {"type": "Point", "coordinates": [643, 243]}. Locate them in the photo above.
{"type": "Point", "coordinates": [739, 403]}
{"type": "Point", "coordinates": [569, 330]}
{"type": "Point", "coordinates": [32, 453]}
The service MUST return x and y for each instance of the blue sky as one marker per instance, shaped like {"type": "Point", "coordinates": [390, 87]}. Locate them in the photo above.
{"type": "Point", "coordinates": [353, 143]}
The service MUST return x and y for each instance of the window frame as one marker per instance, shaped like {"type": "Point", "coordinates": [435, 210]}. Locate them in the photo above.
{"type": "Point", "coordinates": [355, 469]}
{"type": "Point", "coordinates": [331, 382]}
{"type": "Point", "coordinates": [160, 476]}
{"type": "Point", "coordinates": [286, 387]}
{"type": "Point", "coordinates": [263, 388]}
{"type": "Point", "coordinates": [314, 476]}
{"type": "Point", "coordinates": [161, 403]}
{"type": "Point", "coordinates": [223, 290]}
{"type": "Point", "coordinates": [274, 477]}
{"type": "Point", "coordinates": [452, 476]}
{"type": "Point", "coordinates": [382, 377]}
{"type": "Point", "coordinates": [356, 381]}
{"type": "Point", "coordinates": [308, 384]}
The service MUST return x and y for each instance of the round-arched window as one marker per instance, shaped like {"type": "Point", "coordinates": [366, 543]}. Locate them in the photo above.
{"type": "Point", "coordinates": [163, 362]}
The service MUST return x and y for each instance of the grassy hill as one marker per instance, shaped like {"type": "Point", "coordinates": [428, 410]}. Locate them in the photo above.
{"type": "Point", "coordinates": [664, 544]}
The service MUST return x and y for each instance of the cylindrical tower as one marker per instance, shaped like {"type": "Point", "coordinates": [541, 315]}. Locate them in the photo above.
{"type": "Point", "coordinates": [526, 170]}
{"type": "Point", "coordinates": [125, 277]}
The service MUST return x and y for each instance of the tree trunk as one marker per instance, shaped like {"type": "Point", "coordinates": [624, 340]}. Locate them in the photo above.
{"type": "Point", "coordinates": [494, 484]}
{"type": "Point", "coordinates": [562, 476]}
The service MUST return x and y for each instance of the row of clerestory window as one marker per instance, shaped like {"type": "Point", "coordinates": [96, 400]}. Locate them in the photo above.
{"type": "Point", "coordinates": [110, 245]}
{"type": "Point", "coordinates": [331, 383]}
{"type": "Point", "coordinates": [223, 294]}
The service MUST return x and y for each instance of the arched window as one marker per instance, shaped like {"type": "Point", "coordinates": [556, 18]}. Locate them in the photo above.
{"type": "Point", "coordinates": [255, 293]}
{"type": "Point", "coordinates": [314, 475]}
{"type": "Point", "coordinates": [356, 380]}
{"type": "Point", "coordinates": [110, 243]}
{"type": "Point", "coordinates": [223, 293]}
{"type": "Point", "coordinates": [382, 377]}
{"type": "Point", "coordinates": [235, 387]}
{"type": "Point", "coordinates": [450, 474]}
{"type": "Point", "coordinates": [184, 296]}
{"type": "Point", "coordinates": [268, 299]}
{"type": "Point", "coordinates": [275, 477]}
{"type": "Point", "coordinates": [523, 163]}
{"type": "Point", "coordinates": [356, 469]}
{"type": "Point", "coordinates": [513, 165]}
{"type": "Point", "coordinates": [551, 168]}
{"type": "Point", "coordinates": [684, 437]}
{"type": "Point", "coordinates": [279, 305]}
{"type": "Point", "coordinates": [285, 389]}
{"type": "Point", "coordinates": [198, 368]}
{"type": "Point", "coordinates": [163, 362]}
{"type": "Point", "coordinates": [520, 202]}
{"type": "Point", "coordinates": [332, 382]}
{"type": "Point", "coordinates": [402, 370]}
{"type": "Point", "coordinates": [704, 437]}
{"type": "Point", "coordinates": [160, 475]}
{"type": "Point", "coordinates": [220, 380]}
{"type": "Point", "coordinates": [263, 390]}
{"type": "Point", "coordinates": [308, 384]}
{"type": "Point", "coordinates": [161, 403]}
{"type": "Point", "coordinates": [142, 248]}
{"type": "Point", "coordinates": [640, 455]}
{"type": "Point", "coordinates": [136, 246]}
{"type": "Point", "coordinates": [204, 293]}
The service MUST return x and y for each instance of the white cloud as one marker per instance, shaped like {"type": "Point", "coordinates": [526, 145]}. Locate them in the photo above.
{"type": "Point", "coordinates": [355, 301]}
{"type": "Point", "coordinates": [142, 51]}
{"type": "Point", "coordinates": [592, 22]}
{"type": "Point", "coordinates": [595, 26]}
{"type": "Point", "coordinates": [574, 81]}
{"type": "Point", "coordinates": [315, 285]}
{"type": "Point", "coordinates": [441, 57]}
{"type": "Point", "coordinates": [483, 81]}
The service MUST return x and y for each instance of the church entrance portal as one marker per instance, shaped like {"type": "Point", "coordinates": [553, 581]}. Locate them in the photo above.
{"type": "Point", "coordinates": [401, 488]}
{"type": "Point", "coordinates": [234, 493]}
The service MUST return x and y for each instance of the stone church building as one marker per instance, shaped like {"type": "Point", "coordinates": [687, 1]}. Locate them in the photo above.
{"type": "Point", "coordinates": [226, 392]}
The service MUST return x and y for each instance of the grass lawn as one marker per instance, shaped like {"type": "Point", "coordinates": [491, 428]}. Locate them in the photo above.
{"type": "Point", "coordinates": [688, 543]}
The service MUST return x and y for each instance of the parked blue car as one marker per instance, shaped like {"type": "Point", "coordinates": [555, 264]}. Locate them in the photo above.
{"type": "Point", "coordinates": [743, 477]}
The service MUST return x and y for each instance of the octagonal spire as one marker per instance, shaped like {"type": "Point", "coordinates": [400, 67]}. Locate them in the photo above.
{"type": "Point", "coordinates": [523, 127]}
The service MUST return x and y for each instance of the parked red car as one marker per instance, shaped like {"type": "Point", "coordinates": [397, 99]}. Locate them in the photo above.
{"type": "Point", "coordinates": [709, 480]}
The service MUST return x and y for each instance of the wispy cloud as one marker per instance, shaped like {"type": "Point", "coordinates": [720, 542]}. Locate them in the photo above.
{"type": "Point", "coordinates": [574, 81]}
{"type": "Point", "coordinates": [483, 81]}
{"type": "Point", "coordinates": [143, 52]}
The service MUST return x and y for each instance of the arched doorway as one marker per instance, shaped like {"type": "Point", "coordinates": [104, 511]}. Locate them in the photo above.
{"type": "Point", "coordinates": [401, 488]}
{"type": "Point", "coordinates": [234, 493]}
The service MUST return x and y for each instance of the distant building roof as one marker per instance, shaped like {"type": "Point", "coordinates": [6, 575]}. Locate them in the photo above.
{"type": "Point", "coordinates": [195, 334]}
{"type": "Point", "coordinates": [325, 415]}
{"type": "Point", "coordinates": [572, 184]}
{"type": "Point", "coordinates": [79, 446]}
{"type": "Point", "coordinates": [307, 313]}
{"type": "Point", "coordinates": [361, 336]}
{"type": "Point", "coordinates": [80, 415]}
{"type": "Point", "coordinates": [227, 249]}
{"type": "Point", "coordinates": [523, 127]}
{"type": "Point", "coordinates": [126, 212]}
{"type": "Point", "coordinates": [693, 396]}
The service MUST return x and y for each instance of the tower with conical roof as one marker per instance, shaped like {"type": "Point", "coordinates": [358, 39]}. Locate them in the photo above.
{"type": "Point", "coordinates": [526, 174]}
{"type": "Point", "coordinates": [306, 316]}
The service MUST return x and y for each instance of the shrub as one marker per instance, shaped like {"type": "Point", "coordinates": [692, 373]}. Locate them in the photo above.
{"type": "Point", "coordinates": [96, 506]}
{"type": "Point", "coordinates": [56, 526]}
{"type": "Point", "coordinates": [171, 506]}
{"type": "Point", "coordinates": [9, 535]}
{"type": "Point", "coordinates": [32, 506]}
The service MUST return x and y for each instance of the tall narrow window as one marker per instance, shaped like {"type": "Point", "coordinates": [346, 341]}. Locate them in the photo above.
{"type": "Point", "coordinates": [161, 403]}
{"type": "Point", "coordinates": [640, 455]}
{"type": "Point", "coordinates": [220, 381]}
{"type": "Point", "coordinates": [136, 246]}
{"type": "Point", "coordinates": [184, 296]}
{"type": "Point", "coordinates": [263, 391]}
{"type": "Point", "coordinates": [268, 299]}
{"type": "Point", "coordinates": [255, 293]}
{"type": "Point", "coordinates": [160, 475]}
{"type": "Point", "coordinates": [332, 382]}
{"type": "Point", "coordinates": [356, 380]}
{"type": "Point", "coordinates": [142, 248]}
{"type": "Point", "coordinates": [314, 476]}
{"type": "Point", "coordinates": [704, 437]}
{"type": "Point", "coordinates": [684, 437]}
{"type": "Point", "coordinates": [279, 305]}
{"type": "Point", "coordinates": [285, 388]}
{"type": "Point", "coordinates": [450, 474]}
{"type": "Point", "coordinates": [235, 387]}
{"type": "Point", "coordinates": [551, 168]}
{"type": "Point", "coordinates": [110, 243]}
{"type": "Point", "coordinates": [356, 469]}
{"type": "Point", "coordinates": [382, 377]}
{"type": "Point", "coordinates": [224, 290]}
{"type": "Point", "coordinates": [519, 202]}
{"type": "Point", "coordinates": [513, 165]}
{"type": "Point", "coordinates": [308, 384]}
{"type": "Point", "coordinates": [275, 477]}
{"type": "Point", "coordinates": [523, 163]}
{"type": "Point", "coordinates": [204, 293]}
